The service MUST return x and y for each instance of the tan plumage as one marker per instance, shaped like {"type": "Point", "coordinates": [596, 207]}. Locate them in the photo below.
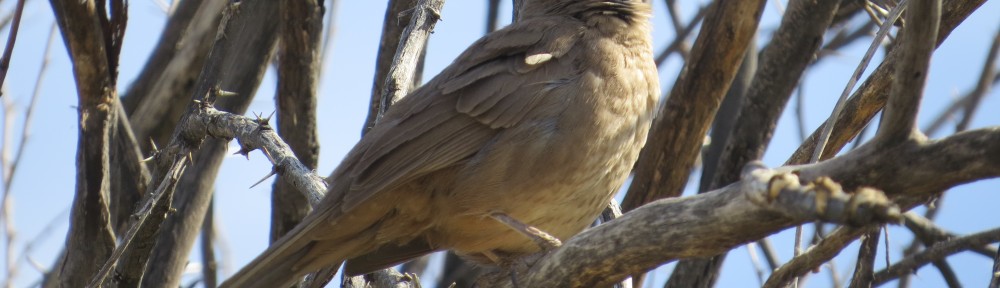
{"type": "Point", "coordinates": [541, 121]}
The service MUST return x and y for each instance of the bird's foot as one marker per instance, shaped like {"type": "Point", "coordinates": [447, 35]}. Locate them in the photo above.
{"type": "Point", "coordinates": [544, 240]}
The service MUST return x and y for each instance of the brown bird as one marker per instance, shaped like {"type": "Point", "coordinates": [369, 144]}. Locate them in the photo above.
{"type": "Point", "coordinates": [534, 127]}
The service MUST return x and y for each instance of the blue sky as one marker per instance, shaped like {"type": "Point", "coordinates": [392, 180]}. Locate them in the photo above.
{"type": "Point", "coordinates": [44, 185]}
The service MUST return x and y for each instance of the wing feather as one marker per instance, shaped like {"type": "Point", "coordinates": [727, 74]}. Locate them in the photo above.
{"type": "Point", "coordinates": [489, 87]}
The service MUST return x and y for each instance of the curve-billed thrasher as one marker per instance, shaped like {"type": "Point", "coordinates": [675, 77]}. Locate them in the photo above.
{"type": "Point", "coordinates": [534, 126]}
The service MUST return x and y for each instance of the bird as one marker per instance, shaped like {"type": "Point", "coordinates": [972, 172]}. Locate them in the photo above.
{"type": "Point", "coordinates": [517, 145]}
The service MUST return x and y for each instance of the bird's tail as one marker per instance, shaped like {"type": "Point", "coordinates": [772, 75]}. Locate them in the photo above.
{"type": "Point", "coordinates": [276, 267]}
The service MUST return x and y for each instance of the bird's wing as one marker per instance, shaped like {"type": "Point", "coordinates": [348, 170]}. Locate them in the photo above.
{"type": "Point", "coordinates": [491, 86]}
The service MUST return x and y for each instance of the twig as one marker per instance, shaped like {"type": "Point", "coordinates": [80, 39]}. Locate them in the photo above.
{"type": "Point", "coordinates": [828, 129]}
{"type": "Point", "coordinates": [11, 38]}
{"type": "Point", "coordinates": [954, 108]}
{"type": "Point", "coordinates": [925, 231]}
{"type": "Point", "coordinates": [936, 252]}
{"type": "Point", "coordinates": [680, 31]}
{"type": "Point", "coordinates": [10, 169]}
{"type": "Point", "coordinates": [755, 260]}
{"type": "Point", "coordinates": [331, 28]}
{"type": "Point", "coordinates": [815, 256]}
{"type": "Point", "coordinates": [842, 39]}
{"type": "Point", "coordinates": [769, 254]}
{"type": "Point", "coordinates": [982, 86]}
{"type": "Point", "coordinates": [681, 38]}
{"type": "Point", "coordinates": [800, 108]}
{"type": "Point", "coordinates": [209, 267]}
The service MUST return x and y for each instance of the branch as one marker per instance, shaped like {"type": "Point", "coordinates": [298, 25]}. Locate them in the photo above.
{"type": "Point", "coordinates": [179, 161]}
{"type": "Point", "coordinates": [676, 136]}
{"type": "Point", "coordinates": [764, 202]}
{"type": "Point", "coordinates": [953, 108]}
{"type": "Point", "coordinates": [679, 40]}
{"type": "Point", "coordinates": [240, 51]}
{"type": "Point", "coordinates": [257, 134]}
{"type": "Point", "coordinates": [929, 234]}
{"type": "Point", "coordinates": [91, 48]}
{"type": "Point", "coordinates": [983, 85]}
{"type": "Point", "coordinates": [161, 91]}
{"type": "Point", "coordinates": [865, 264]}
{"type": "Point", "coordinates": [936, 252]}
{"type": "Point", "coordinates": [411, 46]}
{"type": "Point", "coordinates": [838, 108]}
{"type": "Point", "coordinates": [209, 266]}
{"type": "Point", "coordinates": [299, 62]}
{"type": "Point", "coordinates": [11, 38]}
{"type": "Point", "coordinates": [392, 33]}
{"type": "Point", "coordinates": [899, 119]}
{"type": "Point", "coordinates": [753, 208]}
{"type": "Point", "coordinates": [873, 93]}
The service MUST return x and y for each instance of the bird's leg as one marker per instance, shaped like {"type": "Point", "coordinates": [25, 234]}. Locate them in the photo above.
{"type": "Point", "coordinates": [544, 240]}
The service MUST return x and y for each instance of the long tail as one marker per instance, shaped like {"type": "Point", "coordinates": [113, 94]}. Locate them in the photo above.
{"type": "Point", "coordinates": [276, 267]}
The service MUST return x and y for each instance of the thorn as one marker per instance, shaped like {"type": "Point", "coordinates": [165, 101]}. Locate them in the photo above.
{"type": "Point", "coordinates": [153, 144]}
{"type": "Point", "coordinates": [223, 93]}
{"type": "Point", "coordinates": [273, 172]}
{"type": "Point", "coordinates": [263, 122]}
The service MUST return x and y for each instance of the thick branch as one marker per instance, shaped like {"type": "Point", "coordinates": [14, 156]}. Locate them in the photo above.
{"type": "Point", "coordinates": [783, 61]}
{"type": "Point", "coordinates": [668, 229]}
{"type": "Point", "coordinates": [90, 238]}
{"type": "Point", "coordinates": [665, 164]}
{"type": "Point", "coordinates": [160, 93]}
{"type": "Point", "coordinates": [900, 117]}
{"type": "Point", "coordinates": [662, 231]}
{"type": "Point", "coordinates": [298, 76]}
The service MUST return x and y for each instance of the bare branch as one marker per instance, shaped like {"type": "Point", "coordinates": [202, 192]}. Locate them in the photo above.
{"type": "Point", "coordinates": [763, 203]}
{"type": "Point", "coordinates": [685, 117]}
{"type": "Point", "coordinates": [873, 93]}
{"type": "Point", "coordinates": [240, 52]}
{"type": "Point", "coordinates": [492, 15]}
{"type": "Point", "coordinates": [677, 45]}
{"type": "Point", "coordinates": [983, 85]}
{"type": "Point", "coordinates": [936, 252]}
{"type": "Point", "coordinates": [883, 30]}
{"type": "Point", "coordinates": [866, 260]}
{"type": "Point", "coordinates": [296, 100]}
{"type": "Point", "coordinates": [166, 186]}
{"type": "Point", "coordinates": [92, 44]}
{"type": "Point", "coordinates": [209, 266]}
{"type": "Point", "coordinates": [392, 33]}
{"type": "Point", "coordinates": [162, 90]}
{"type": "Point", "coordinates": [900, 117]}
{"type": "Point", "coordinates": [411, 45]}
{"type": "Point", "coordinates": [815, 255]}
{"type": "Point", "coordinates": [10, 167]}
{"type": "Point", "coordinates": [11, 38]}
